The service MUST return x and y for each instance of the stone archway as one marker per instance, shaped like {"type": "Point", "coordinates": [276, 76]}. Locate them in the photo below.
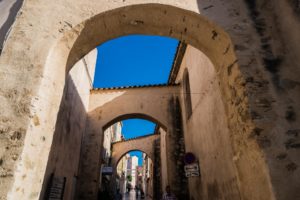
{"type": "Point", "coordinates": [144, 144]}
{"type": "Point", "coordinates": [145, 162]}
{"type": "Point", "coordinates": [150, 102]}
{"type": "Point", "coordinates": [213, 42]}
{"type": "Point", "coordinates": [164, 20]}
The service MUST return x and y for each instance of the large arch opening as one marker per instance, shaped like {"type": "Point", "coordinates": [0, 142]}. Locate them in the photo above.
{"type": "Point", "coordinates": [167, 21]}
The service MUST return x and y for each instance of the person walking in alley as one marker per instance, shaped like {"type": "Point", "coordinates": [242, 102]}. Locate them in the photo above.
{"type": "Point", "coordinates": [168, 195]}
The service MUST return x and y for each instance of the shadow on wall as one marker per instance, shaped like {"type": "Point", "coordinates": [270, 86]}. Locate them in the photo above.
{"type": "Point", "coordinates": [63, 161]}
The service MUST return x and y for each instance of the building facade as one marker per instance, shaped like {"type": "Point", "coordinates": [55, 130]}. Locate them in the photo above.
{"type": "Point", "coordinates": [111, 134]}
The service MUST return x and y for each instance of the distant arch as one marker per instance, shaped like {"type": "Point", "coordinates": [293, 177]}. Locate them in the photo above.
{"type": "Point", "coordinates": [134, 116]}
{"type": "Point", "coordinates": [118, 161]}
{"type": "Point", "coordinates": [144, 144]}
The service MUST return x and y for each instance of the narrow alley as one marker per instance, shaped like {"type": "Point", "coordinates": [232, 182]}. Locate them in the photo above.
{"type": "Point", "coordinates": [176, 99]}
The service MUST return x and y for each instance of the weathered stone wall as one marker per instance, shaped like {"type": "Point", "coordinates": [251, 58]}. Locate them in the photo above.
{"type": "Point", "coordinates": [264, 35]}
{"type": "Point", "coordinates": [63, 160]}
{"type": "Point", "coordinates": [278, 26]}
{"type": "Point", "coordinates": [8, 12]}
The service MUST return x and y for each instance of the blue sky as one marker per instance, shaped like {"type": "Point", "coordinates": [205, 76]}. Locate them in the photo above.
{"type": "Point", "coordinates": [135, 128]}
{"type": "Point", "coordinates": [135, 60]}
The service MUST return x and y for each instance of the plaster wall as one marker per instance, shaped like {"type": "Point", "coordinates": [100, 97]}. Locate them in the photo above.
{"type": "Point", "coordinates": [206, 131]}
{"type": "Point", "coordinates": [70, 127]}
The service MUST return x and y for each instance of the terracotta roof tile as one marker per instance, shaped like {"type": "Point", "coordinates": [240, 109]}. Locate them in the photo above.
{"type": "Point", "coordinates": [135, 86]}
